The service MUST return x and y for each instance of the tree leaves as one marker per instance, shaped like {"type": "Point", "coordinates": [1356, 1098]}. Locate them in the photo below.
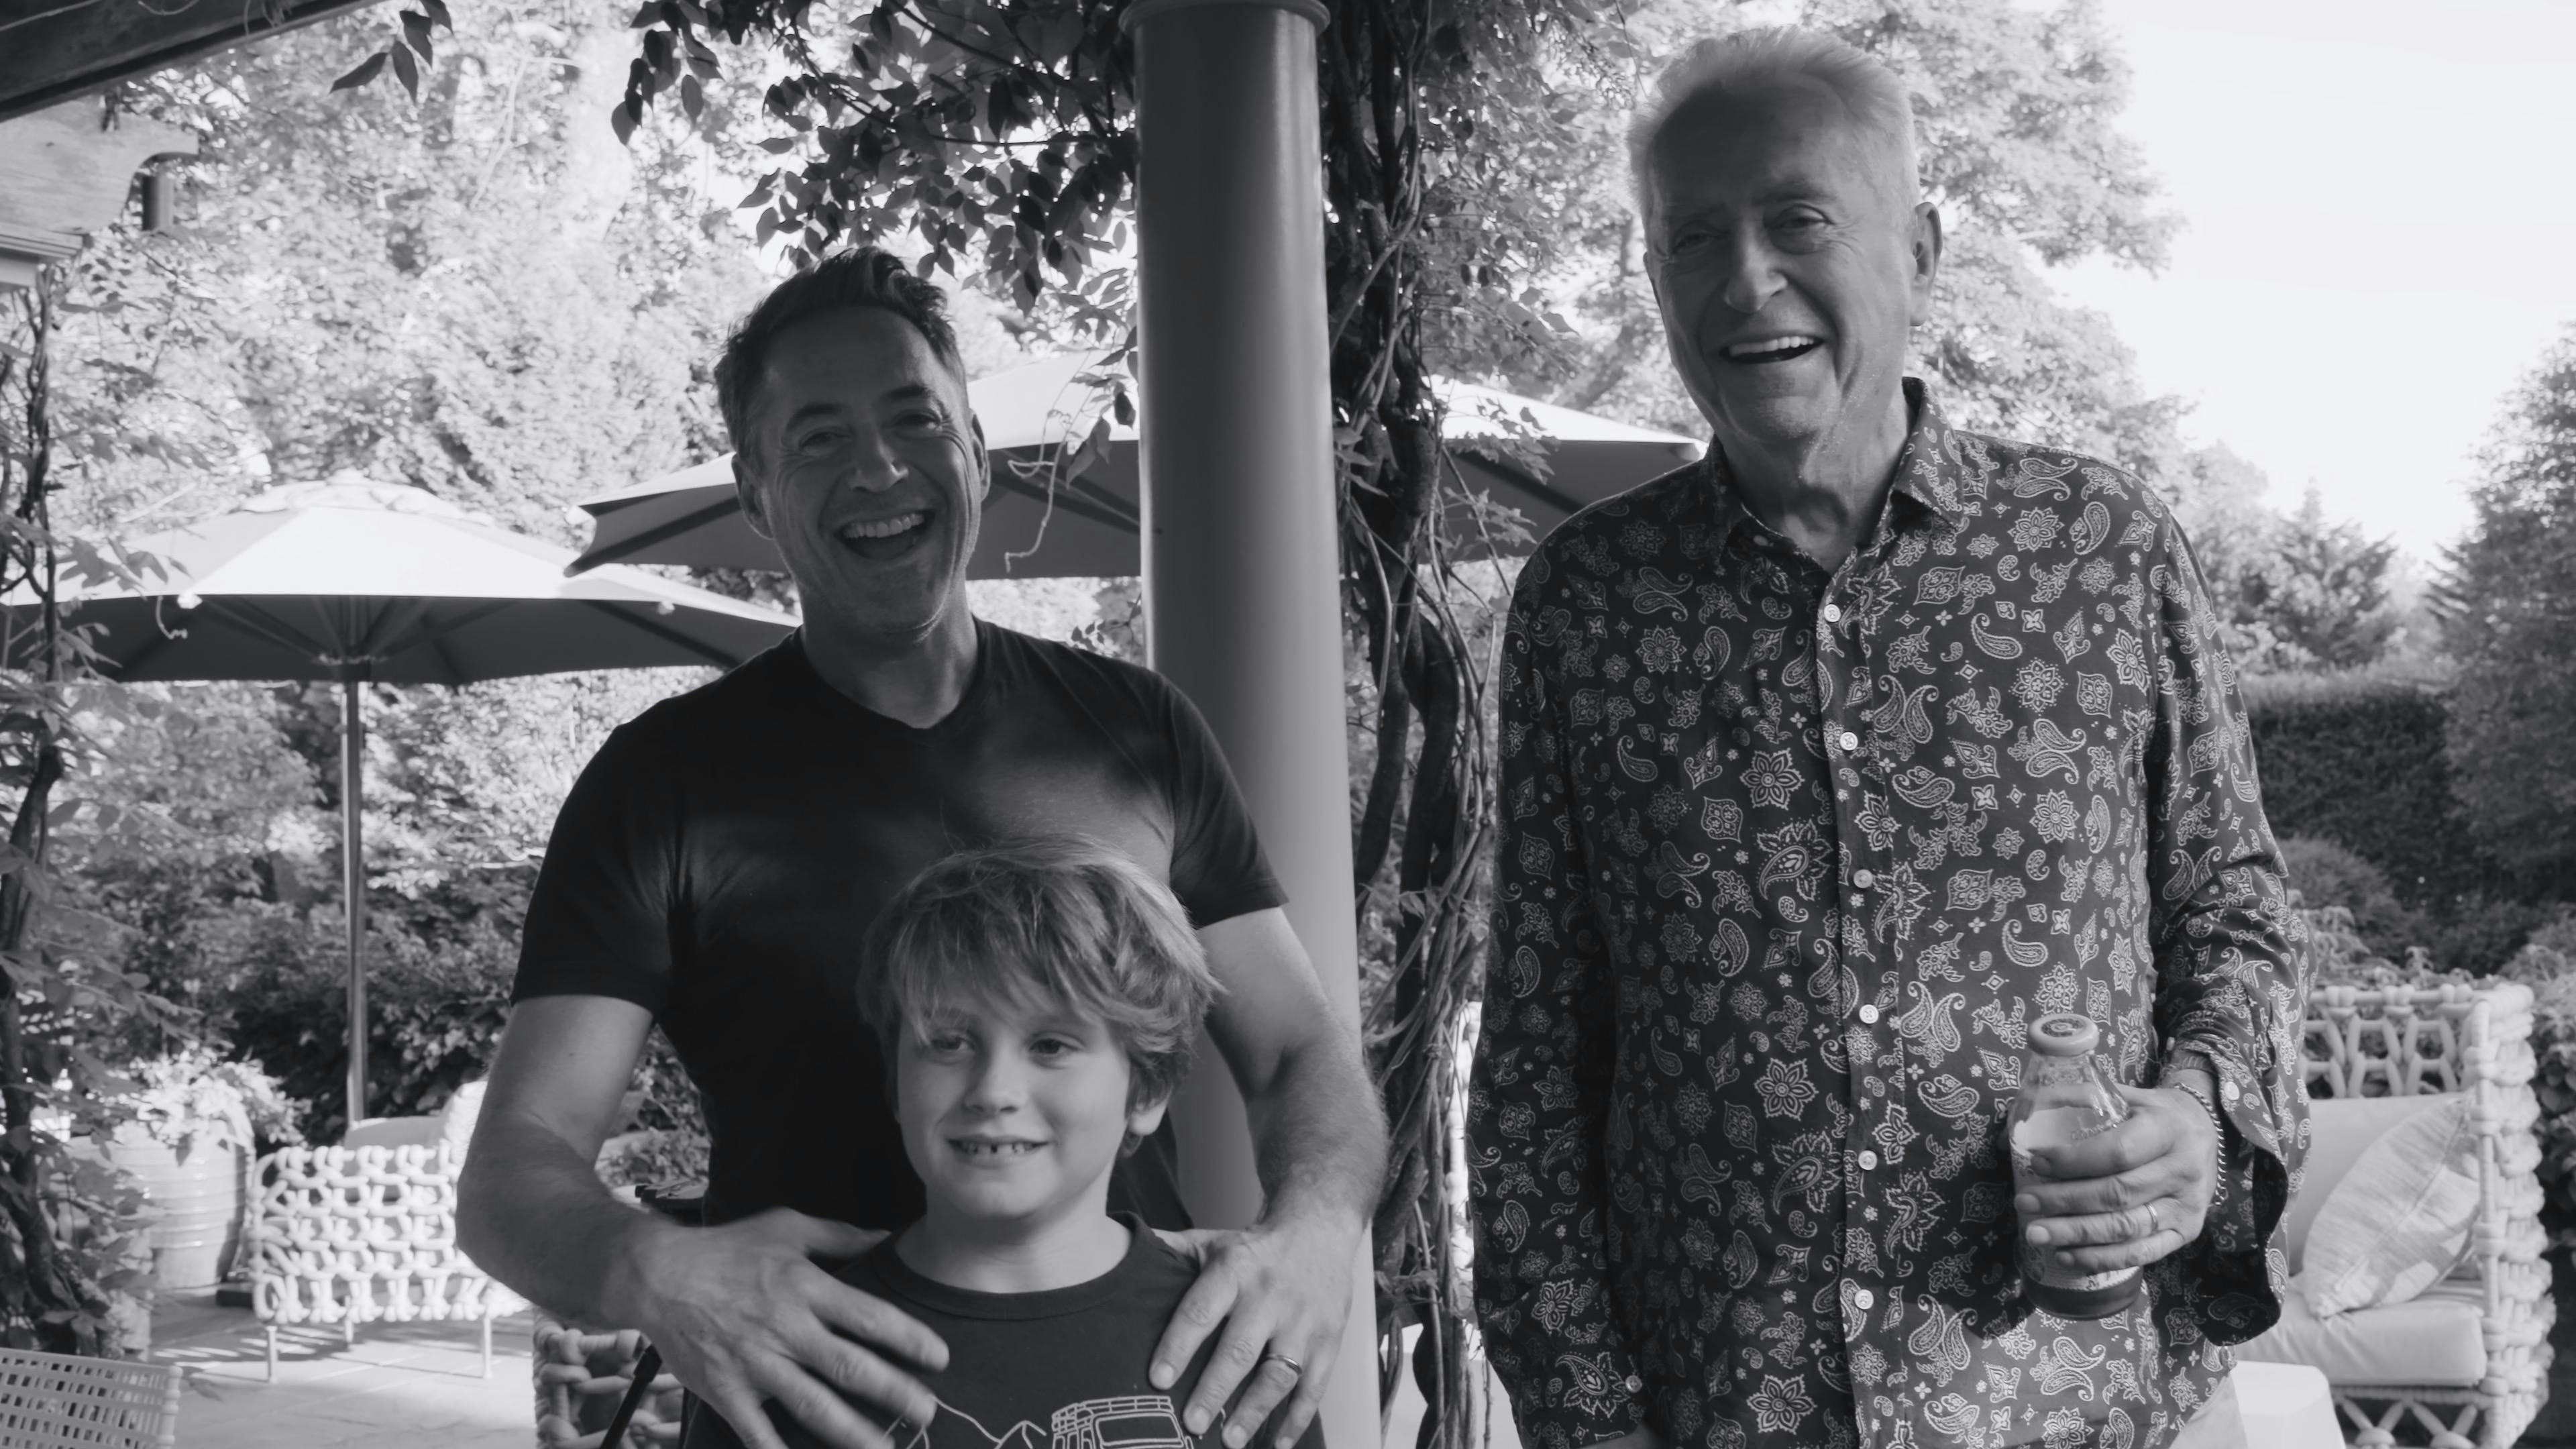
{"type": "Point", "coordinates": [409, 51]}
{"type": "Point", "coordinates": [361, 73]}
{"type": "Point", "coordinates": [998, 136]}
{"type": "Point", "coordinates": [2508, 601]}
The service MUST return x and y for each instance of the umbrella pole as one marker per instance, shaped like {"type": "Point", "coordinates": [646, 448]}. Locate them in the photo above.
{"type": "Point", "coordinates": [353, 784]}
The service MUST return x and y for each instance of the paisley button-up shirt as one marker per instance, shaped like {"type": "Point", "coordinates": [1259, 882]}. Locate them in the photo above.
{"type": "Point", "coordinates": [1789, 860]}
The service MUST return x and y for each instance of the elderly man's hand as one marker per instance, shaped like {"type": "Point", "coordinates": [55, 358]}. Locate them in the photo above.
{"type": "Point", "coordinates": [744, 1317]}
{"type": "Point", "coordinates": [2130, 1196]}
{"type": "Point", "coordinates": [1283, 1292]}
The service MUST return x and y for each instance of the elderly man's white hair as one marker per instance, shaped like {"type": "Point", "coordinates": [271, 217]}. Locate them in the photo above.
{"type": "Point", "coordinates": [1750, 62]}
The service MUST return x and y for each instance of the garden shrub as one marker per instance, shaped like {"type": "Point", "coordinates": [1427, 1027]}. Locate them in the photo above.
{"type": "Point", "coordinates": [434, 1009]}
{"type": "Point", "coordinates": [2325, 873]}
{"type": "Point", "coordinates": [2547, 968]}
{"type": "Point", "coordinates": [2357, 758]}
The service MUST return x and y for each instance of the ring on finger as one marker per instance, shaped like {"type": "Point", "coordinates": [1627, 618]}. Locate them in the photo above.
{"type": "Point", "coordinates": [2155, 1216]}
{"type": "Point", "coordinates": [1296, 1369]}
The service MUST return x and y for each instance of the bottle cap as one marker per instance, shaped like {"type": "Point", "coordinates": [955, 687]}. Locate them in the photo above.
{"type": "Point", "coordinates": [2065, 1034]}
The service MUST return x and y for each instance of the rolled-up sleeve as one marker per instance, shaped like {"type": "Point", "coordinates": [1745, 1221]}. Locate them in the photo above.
{"type": "Point", "coordinates": [1538, 1104]}
{"type": "Point", "coordinates": [2228, 948]}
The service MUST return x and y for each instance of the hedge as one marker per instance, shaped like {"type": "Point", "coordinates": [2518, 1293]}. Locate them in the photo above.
{"type": "Point", "coordinates": [2356, 758]}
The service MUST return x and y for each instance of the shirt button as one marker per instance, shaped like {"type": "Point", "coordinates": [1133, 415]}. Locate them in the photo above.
{"type": "Point", "coordinates": [1864, 879]}
{"type": "Point", "coordinates": [1868, 1163]}
{"type": "Point", "coordinates": [1833, 613]}
{"type": "Point", "coordinates": [1848, 741]}
{"type": "Point", "coordinates": [1635, 1385]}
{"type": "Point", "coordinates": [1864, 1300]}
{"type": "Point", "coordinates": [1869, 1016]}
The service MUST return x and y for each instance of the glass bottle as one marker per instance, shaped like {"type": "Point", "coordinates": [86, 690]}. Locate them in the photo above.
{"type": "Point", "coordinates": [2063, 1099]}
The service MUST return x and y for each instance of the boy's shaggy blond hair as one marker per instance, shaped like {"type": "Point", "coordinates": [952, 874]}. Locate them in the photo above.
{"type": "Point", "coordinates": [1060, 921]}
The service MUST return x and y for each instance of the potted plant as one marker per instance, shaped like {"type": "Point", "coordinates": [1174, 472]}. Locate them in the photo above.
{"type": "Point", "coordinates": [187, 1132]}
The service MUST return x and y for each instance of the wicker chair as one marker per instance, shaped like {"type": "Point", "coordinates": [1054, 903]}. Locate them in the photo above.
{"type": "Point", "coordinates": [2487, 1324]}
{"type": "Point", "coordinates": [580, 1376]}
{"type": "Point", "coordinates": [348, 1236]}
{"type": "Point", "coordinates": [59, 1401]}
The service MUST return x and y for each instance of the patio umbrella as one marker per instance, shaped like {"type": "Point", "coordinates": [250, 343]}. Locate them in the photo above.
{"type": "Point", "coordinates": [360, 582]}
{"type": "Point", "coordinates": [690, 517]}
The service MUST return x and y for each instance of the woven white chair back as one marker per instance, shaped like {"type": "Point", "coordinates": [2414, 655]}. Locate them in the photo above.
{"type": "Point", "coordinates": [60, 1401]}
{"type": "Point", "coordinates": [361, 1235]}
{"type": "Point", "coordinates": [2398, 1041]}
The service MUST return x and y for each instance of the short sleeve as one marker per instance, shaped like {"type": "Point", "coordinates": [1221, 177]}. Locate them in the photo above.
{"type": "Point", "coordinates": [1218, 870]}
{"type": "Point", "coordinates": [599, 922]}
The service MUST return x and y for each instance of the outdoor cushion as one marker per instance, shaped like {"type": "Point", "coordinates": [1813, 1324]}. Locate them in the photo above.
{"type": "Point", "coordinates": [393, 1132]}
{"type": "Point", "coordinates": [2430, 1341]}
{"type": "Point", "coordinates": [2400, 1218]}
{"type": "Point", "coordinates": [2340, 1129]}
{"type": "Point", "coordinates": [456, 1120]}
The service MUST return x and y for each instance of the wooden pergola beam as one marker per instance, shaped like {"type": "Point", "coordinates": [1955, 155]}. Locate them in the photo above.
{"type": "Point", "coordinates": [54, 50]}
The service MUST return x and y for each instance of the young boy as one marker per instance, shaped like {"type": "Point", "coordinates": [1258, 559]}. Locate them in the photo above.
{"type": "Point", "coordinates": [1039, 1003]}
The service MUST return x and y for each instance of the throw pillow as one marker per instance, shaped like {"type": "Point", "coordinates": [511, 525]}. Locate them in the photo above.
{"type": "Point", "coordinates": [456, 1122]}
{"type": "Point", "coordinates": [2400, 1219]}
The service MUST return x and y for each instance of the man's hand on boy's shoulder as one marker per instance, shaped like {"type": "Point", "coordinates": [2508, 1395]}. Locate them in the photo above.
{"type": "Point", "coordinates": [1282, 1291]}
{"type": "Point", "coordinates": [745, 1317]}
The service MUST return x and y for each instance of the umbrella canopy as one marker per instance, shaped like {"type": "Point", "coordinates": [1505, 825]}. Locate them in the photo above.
{"type": "Point", "coordinates": [356, 581]}
{"type": "Point", "coordinates": [690, 517]}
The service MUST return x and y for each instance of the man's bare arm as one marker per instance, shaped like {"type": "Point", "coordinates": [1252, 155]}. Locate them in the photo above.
{"type": "Point", "coordinates": [1317, 1129]}
{"type": "Point", "coordinates": [1283, 1286]}
{"type": "Point", "coordinates": [531, 1210]}
{"type": "Point", "coordinates": [740, 1312]}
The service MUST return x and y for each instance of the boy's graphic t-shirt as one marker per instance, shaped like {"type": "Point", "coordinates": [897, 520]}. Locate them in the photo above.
{"type": "Point", "coordinates": [1061, 1369]}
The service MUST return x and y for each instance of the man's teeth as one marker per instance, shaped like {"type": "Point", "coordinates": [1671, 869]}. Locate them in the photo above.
{"type": "Point", "coordinates": [885, 528]}
{"type": "Point", "coordinates": [994, 1149]}
{"type": "Point", "coordinates": [1765, 348]}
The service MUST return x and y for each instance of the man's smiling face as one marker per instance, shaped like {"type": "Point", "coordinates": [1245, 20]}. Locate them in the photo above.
{"type": "Point", "coordinates": [866, 470]}
{"type": "Point", "coordinates": [1788, 264]}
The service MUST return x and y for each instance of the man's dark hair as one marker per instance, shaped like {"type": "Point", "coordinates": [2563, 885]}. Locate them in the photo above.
{"type": "Point", "coordinates": [867, 277]}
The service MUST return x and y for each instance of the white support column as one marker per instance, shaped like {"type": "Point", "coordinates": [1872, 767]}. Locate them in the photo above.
{"type": "Point", "coordinates": [1241, 555]}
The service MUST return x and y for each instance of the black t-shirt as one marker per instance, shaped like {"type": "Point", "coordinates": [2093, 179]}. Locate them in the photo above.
{"type": "Point", "coordinates": [1060, 1369]}
{"type": "Point", "coordinates": [721, 856]}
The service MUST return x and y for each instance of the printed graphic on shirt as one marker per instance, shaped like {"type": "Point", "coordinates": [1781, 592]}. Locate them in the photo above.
{"type": "Point", "coordinates": [1133, 1421]}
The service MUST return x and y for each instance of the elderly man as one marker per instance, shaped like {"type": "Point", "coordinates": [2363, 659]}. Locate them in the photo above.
{"type": "Point", "coordinates": [720, 859]}
{"type": "Point", "coordinates": [1827, 765]}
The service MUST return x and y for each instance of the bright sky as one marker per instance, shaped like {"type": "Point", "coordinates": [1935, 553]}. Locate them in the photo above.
{"type": "Point", "coordinates": [2380, 209]}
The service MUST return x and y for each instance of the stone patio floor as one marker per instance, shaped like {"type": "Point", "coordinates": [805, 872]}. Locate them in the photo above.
{"type": "Point", "coordinates": [402, 1386]}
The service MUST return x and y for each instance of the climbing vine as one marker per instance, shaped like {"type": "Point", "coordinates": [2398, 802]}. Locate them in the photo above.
{"type": "Point", "coordinates": [999, 139]}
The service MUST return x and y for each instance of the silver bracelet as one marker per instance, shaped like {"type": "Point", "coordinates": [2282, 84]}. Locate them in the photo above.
{"type": "Point", "coordinates": [2200, 1094]}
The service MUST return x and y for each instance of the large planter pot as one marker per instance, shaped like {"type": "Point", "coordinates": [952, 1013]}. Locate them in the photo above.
{"type": "Point", "coordinates": [129, 1311]}
{"type": "Point", "coordinates": [196, 1205]}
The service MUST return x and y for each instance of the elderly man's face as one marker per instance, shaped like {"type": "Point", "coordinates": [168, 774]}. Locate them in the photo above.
{"type": "Point", "coordinates": [1788, 269]}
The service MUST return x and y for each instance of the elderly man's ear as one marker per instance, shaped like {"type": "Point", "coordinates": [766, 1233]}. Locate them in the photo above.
{"type": "Point", "coordinates": [1926, 249]}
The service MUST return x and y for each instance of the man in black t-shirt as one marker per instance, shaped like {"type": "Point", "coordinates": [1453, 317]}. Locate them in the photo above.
{"type": "Point", "coordinates": [721, 856]}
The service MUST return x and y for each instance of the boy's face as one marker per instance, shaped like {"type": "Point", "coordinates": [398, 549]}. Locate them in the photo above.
{"type": "Point", "coordinates": [1014, 1114]}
